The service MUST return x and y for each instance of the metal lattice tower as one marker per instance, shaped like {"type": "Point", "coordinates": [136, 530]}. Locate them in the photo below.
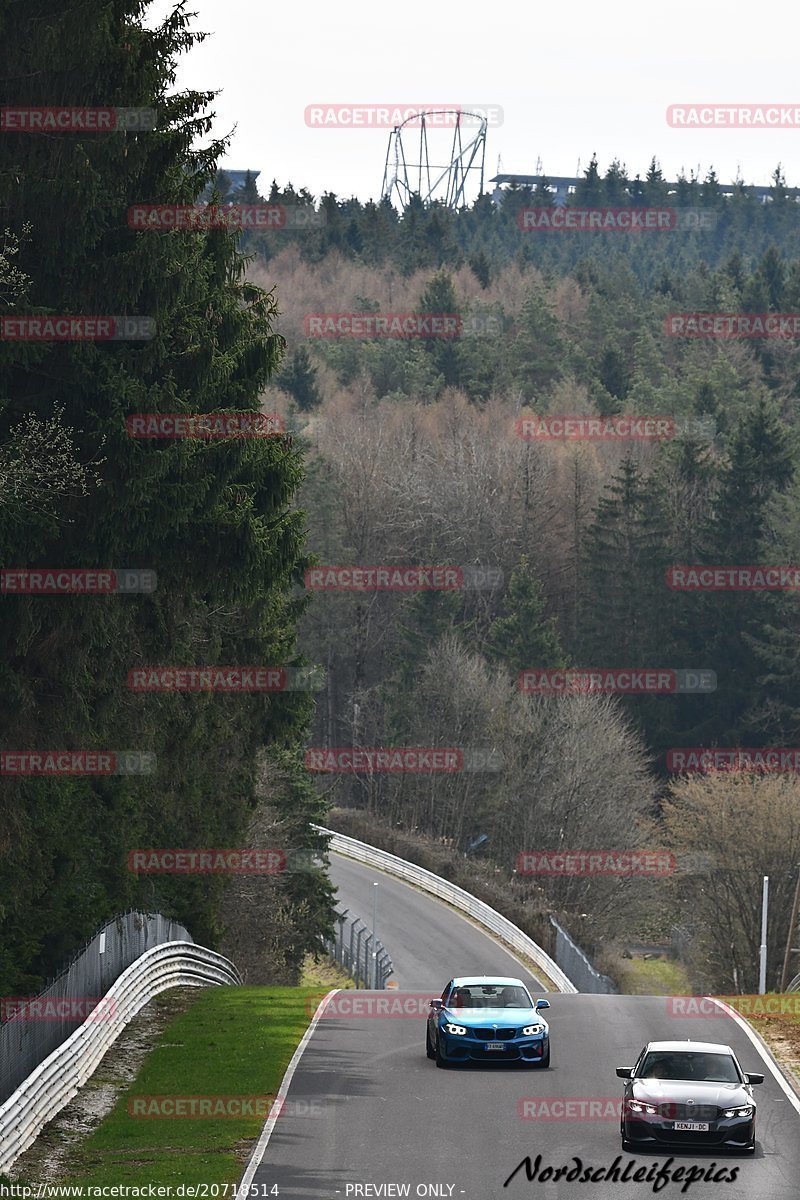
{"type": "Point", "coordinates": [445, 183]}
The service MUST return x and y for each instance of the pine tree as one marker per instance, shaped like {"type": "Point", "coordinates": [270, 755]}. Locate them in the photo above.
{"type": "Point", "coordinates": [525, 637]}
{"type": "Point", "coordinates": [479, 265]}
{"type": "Point", "coordinates": [628, 616]}
{"type": "Point", "coordinates": [773, 272]}
{"type": "Point", "coordinates": [626, 558]}
{"type": "Point", "coordinates": [729, 626]}
{"type": "Point", "coordinates": [615, 184]}
{"type": "Point", "coordinates": [445, 352]}
{"type": "Point", "coordinates": [299, 379]}
{"type": "Point", "coordinates": [538, 352]}
{"type": "Point", "coordinates": [589, 190]}
{"type": "Point", "coordinates": [248, 192]}
{"type": "Point", "coordinates": [543, 193]}
{"type": "Point", "coordinates": [655, 187]}
{"type": "Point", "coordinates": [614, 373]}
{"type": "Point", "coordinates": [422, 619]}
{"type": "Point", "coordinates": [214, 519]}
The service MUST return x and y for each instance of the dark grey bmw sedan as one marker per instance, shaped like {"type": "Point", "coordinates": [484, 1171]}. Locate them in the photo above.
{"type": "Point", "coordinates": [688, 1094]}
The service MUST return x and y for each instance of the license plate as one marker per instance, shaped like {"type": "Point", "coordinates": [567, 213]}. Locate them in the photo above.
{"type": "Point", "coordinates": [692, 1126]}
{"type": "Point", "coordinates": [495, 1046]}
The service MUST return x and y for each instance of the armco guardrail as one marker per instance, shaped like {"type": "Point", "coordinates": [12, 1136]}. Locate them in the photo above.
{"type": "Point", "coordinates": [458, 897]}
{"type": "Point", "coordinates": [110, 950]}
{"type": "Point", "coordinates": [56, 1080]}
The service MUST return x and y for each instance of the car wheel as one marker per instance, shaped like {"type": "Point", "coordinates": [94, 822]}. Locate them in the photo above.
{"type": "Point", "coordinates": [429, 1050]}
{"type": "Point", "coordinates": [544, 1061]}
{"type": "Point", "coordinates": [440, 1060]}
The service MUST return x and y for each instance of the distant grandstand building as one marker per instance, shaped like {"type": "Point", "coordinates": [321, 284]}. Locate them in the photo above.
{"type": "Point", "coordinates": [563, 187]}
{"type": "Point", "coordinates": [237, 178]}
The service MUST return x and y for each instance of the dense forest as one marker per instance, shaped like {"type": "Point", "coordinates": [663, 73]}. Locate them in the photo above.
{"type": "Point", "coordinates": [396, 451]}
{"type": "Point", "coordinates": [215, 521]}
{"type": "Point", "coordinates": [415, 456]}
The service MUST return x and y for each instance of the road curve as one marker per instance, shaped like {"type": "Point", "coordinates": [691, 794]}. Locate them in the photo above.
{"type": "Point", "coordinates": [421, 935]}
{"type": "Point", "coordinates": [366, 1109]}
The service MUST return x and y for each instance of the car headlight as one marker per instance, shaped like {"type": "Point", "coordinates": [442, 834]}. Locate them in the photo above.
{"type": "Point", "coordinates": [639, 1106]}
{"type": "Point", "coordinates": [459, 1030]}
{"type": "Point", "coordinates": [529, 1030]}
{"type": "Point", "coordinates": [746, 1110]}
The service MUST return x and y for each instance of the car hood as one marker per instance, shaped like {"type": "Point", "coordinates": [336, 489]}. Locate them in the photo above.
{"type": "Point", "coordinates": [495, 1016]}
{"type": "Point", "coordinates": [681, 1091]}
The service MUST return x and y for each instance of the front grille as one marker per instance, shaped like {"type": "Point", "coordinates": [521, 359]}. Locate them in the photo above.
{"type": "Point", "coordinates": [505, 1055]}
{"type": "Point", "coordinates": [686, 1137]}
{"type": "Point", "coordinates": [689, 1112]}
{"type": "Point", "coordinates": [494, 1035]}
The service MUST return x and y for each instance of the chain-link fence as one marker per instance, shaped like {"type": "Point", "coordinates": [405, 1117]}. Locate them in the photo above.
{"type": "Point", "coordinates": [362, 957]}
{"type": "Point", "coordinates": [31, 1027]}
{"type": "Point", "coordinates": [574, 962]}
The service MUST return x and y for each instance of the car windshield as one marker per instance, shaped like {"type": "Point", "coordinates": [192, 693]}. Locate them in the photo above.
{"type": "Point", "coordinates": [689, 1065]}
{"type": "Point", "coordinates": [490, 995]}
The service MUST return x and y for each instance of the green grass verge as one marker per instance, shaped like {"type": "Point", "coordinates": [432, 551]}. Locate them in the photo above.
{"type": "Point", "coordinates": [233, 1041]}
{"type": "Point", "coordinates": [651, 977]}
{"type": "Point", "coordinates": [324, 974]}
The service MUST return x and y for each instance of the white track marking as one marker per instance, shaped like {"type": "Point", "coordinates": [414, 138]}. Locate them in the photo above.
{"type": "Point", "coordinates": [266, 1133]}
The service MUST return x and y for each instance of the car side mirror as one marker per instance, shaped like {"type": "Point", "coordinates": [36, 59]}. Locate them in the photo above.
{"type": "Point", "coordinates": [436, 1004]}
{"type": "Point", "coordinates": [754, 1077]}
{"type": "Point", "coordinates": [624, 1072]}
{"type": "Point", "coordinates": [542, 1004]}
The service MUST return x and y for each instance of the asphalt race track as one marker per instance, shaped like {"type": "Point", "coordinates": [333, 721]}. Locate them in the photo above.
{"type": "Point", "coordinates": [368, 1115]}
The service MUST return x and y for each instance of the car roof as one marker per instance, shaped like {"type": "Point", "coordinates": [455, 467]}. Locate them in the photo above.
{"type": "Point", "coordinates": [700, 1047]}
{"type": "Point", "coordinates": [501, 980]}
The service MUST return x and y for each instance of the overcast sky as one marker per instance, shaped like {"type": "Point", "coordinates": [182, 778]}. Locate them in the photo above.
{"type": "Point", "coordinates": [571, 78]}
